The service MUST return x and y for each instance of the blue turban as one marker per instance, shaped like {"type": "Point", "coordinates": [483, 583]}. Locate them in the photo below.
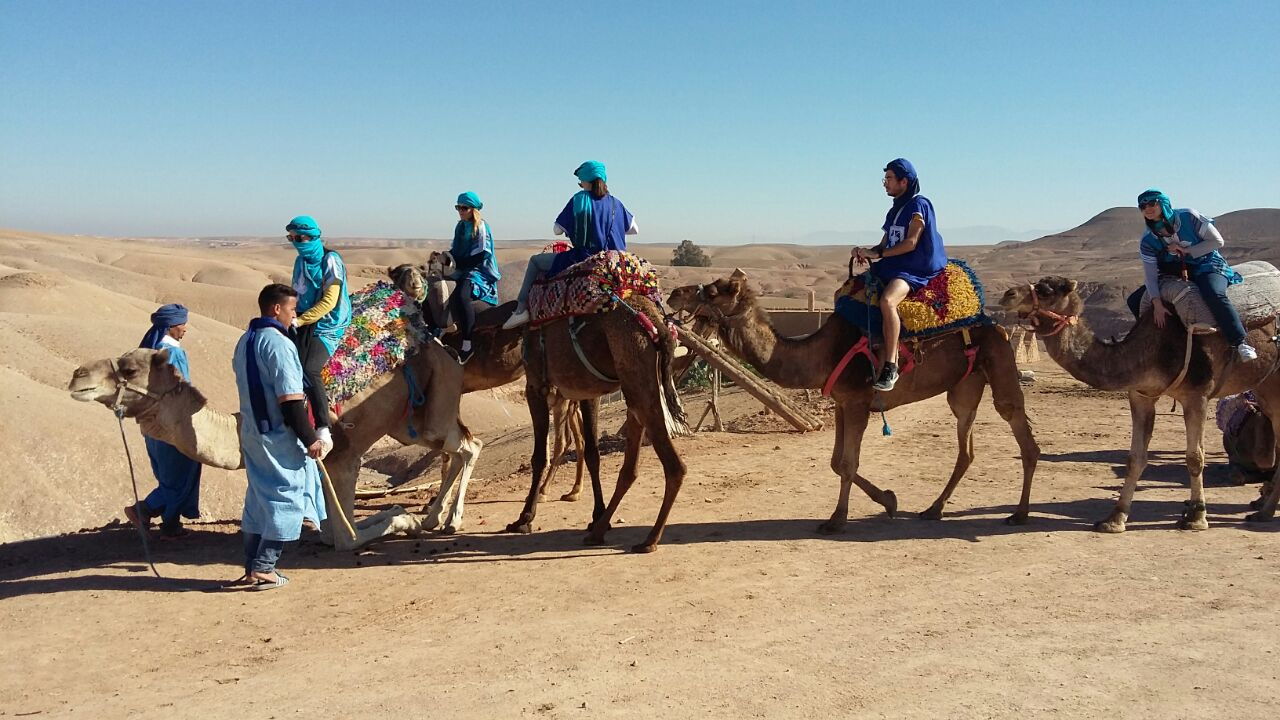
{"type": "Point", "coordinates": [904, 170]}
{"type": "Point", "coordinates": [304, 225]}
{"type": "Point", "coordinates": [591, 170]}
{"type": "Point", "coordinates": [161, 320]}
{"type": "Point", "coordinates": [471, 200]}
{"type": "Point", "coordinates": [1166, 205]}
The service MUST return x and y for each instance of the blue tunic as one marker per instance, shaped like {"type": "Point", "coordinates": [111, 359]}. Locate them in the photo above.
{"type": "Point", "coordinates": [177, 476]}
{"type": "Point", "coordinates": [919, 266]}
{"type": "Point", "coordinates": [475, 260]}
{"type": "Point", "coordinates": [1189, 231]}
{"type": "Point", "coordinates": [331, 327]}
{"type": "Point", "coordinates": [610, 221]}
{"type": "Point", "coordinates": [284, 484]}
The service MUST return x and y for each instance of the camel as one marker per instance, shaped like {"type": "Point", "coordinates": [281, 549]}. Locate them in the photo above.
{"type": "Point", "coordinates": [1148, 363]}
{"type": "Point", "coordinates": [941, 366]}
{"type": "Point", "coordinates": [168, 408]}
{"type": "Point", "coordinates": [620, 354]}
{"type": "Point", "coordinates": [497, 360]}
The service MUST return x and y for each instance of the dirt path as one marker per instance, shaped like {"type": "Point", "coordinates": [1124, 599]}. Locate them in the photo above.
{"type": "Point", "coordinates": [743, 612]}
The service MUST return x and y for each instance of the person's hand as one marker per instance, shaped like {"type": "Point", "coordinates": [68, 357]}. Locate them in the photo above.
{"type": "Point", "coordinates": [315, 449]}
{"type": "Point", "coordinates": [1159, 312]}
{"type": "Point", "coordinates": [1178, 250]}
{"type": "Point", "coordinates": [294, 321]}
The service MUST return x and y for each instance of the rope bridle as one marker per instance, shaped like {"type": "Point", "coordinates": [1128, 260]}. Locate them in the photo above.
{"type": "Point", "coordinates": [1037, 313]}
{"type": "Point", "coordinates": [117, 406]}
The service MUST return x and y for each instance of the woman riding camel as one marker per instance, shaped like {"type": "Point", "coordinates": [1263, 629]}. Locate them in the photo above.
{"type": "Point", "coordinates": [594, 221]}
{"type": "Point", "coordinates": [476, 272]}
{"type": "Point", "coordinates": [1183, 243]}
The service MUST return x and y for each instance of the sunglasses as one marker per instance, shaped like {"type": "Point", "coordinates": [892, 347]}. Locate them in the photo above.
{"type": "Point", "coordinates": [460, 208]}
{"type": "Point", "coordinates": [1147, 204]}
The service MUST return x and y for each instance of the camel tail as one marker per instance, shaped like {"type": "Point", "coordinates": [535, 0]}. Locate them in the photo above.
{"type": "Point", "coordinates": [672, 409]}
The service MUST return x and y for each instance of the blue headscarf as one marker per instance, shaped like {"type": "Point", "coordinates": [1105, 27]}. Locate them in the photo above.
{"type": "Point", "coordinates": [161, 320]}
{"type": "Point", "coordinates": [1165, 222]}
{"type": "Point", "coordinates": [311, 251]}
{"type": "Point", "coordinates": [471, 200]}
{"type": "Point", "coordinates": [583, 227]}
{"type": "Point", "coordinates": [904, 170]}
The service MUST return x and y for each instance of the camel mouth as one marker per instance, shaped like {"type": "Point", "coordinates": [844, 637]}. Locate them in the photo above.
{"type": "Point", "coordinates": [85, 394]}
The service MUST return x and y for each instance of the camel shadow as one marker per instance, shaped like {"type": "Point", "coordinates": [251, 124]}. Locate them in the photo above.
{"type": "Point", "coordinates": [1165, 466]}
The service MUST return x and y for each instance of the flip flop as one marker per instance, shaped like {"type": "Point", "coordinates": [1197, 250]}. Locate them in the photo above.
{"type": "Point", "coordinates": [280, 581]}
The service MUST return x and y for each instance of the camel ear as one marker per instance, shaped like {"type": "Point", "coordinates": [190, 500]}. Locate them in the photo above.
{"type": "Point", "coordinates": [710, 290]}
{"type": "Point", "coordinates": [161, 357]}
{"type": "Point", "coordinates": [1071, 285]}
{"type": "Point", "coordinates": [737, 274]}
{"type": "Point", "coordinates": [391, 271]}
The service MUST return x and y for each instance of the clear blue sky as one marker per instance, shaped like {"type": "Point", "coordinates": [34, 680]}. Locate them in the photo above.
{"type": "Point", "coordinates": [718, 121]}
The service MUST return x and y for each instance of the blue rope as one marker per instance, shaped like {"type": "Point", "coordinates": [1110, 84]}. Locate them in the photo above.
{"type": "Point", "coordinates": [885, 430]}
{"type": "Point", "coordinates": [417, 398]}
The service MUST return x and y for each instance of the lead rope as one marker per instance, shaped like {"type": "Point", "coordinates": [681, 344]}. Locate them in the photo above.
{"type": "Point", "coordinates": [142, 529]}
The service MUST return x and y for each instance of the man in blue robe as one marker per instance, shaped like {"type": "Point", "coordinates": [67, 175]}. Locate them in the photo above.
{"type": "Point", "coordinates": [280, 447]}
{"type": "Point", "coordinates": [177, 494]}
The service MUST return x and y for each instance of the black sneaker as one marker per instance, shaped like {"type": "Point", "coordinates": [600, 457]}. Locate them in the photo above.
{"type": "Point", "coordinates": [888, 377]}
{"type": "Point", "coordinates": [465, 355]}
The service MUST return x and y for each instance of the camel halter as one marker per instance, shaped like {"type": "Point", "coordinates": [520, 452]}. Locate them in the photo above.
{"type": "Point", "coordinates": [718, 315]}
{"type": "Point", "coordinates": [1060, 321]}
{"type": "Point", "coordinates": [122, 385]}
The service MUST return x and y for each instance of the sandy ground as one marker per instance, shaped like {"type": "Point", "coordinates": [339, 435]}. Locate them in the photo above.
{"type": "Point", "coordinates": [743, 612]}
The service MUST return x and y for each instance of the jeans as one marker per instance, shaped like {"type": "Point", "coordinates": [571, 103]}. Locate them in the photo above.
{"type": "Point", "coordinates": [1213, 288]}
{"type": "Point", "coordinates": [260, 555]}
{"type": "Point", "coordinates": [314, 356]}
{"type": "Point", "coordinates": [539, 263]}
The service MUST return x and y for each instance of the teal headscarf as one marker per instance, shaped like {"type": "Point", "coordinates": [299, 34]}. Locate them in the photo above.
{"type": "Point", "coordinates": [1165, 223]}
{"type": "Point", "coordinates": [583, 227]}
{"type": "Point", "coordinates": [471, 200]}
{"type": "Point", "coordinates": [311, 251]}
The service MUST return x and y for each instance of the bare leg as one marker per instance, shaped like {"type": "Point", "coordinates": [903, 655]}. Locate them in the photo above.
{"type": "Point", "coordinates": [1143, 412]}
{"type": "Point", "coordinates": [963, 399]}
{"type": "Point", "coordinates": [894, 292]}
{"type": "Point", "coordinates": [1193, 412]}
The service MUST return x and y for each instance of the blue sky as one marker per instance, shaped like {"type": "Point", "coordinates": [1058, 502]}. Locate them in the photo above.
{"type": "Point", "coordinates": [719, 122]}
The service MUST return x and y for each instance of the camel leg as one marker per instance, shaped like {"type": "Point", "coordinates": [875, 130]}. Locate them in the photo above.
{"type": "Point", "coordinates": [446, 510]}
{"type": "Point", "coordinates": [963, 399]}
{"type": "Point", "coordinates": [1193, 412]}
{"type": "Point", "coordinates": [673, 468]}
{"type": "Point", "coordinates": [1266, 502]}
{"type": "Point", "coordinates": [590, 410]}
{"type": "Point", "coordinates": [1006, 395]}
{"type": "Point", "coordinates": [852, 425]}
{"type": "Point", "coordinates": [1142, 410]}
{"type": "Point", "coordinates": [575, 430]}
{"type": "Point", "coordinates": [343, 469]}
{"type": "Point", "coordinates": [537, 402]}
{"type": "Point", "coordinates": [634, 433]}
{"type": "Point", "coordinates": [558, 430]}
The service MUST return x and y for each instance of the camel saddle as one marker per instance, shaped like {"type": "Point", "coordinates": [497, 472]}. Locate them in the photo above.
{"type": "Point", "coordinates": [953, 299]}
{"type": "Point", "coordinates": [384, 330]}
{"type": "Point", "coordinates": [1256, 299]}
{"type": "Point", "coordinates": [592, 286]}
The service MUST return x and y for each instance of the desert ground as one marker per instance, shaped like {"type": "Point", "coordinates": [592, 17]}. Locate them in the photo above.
{"type": "Point", "coordinates": [744, 611]}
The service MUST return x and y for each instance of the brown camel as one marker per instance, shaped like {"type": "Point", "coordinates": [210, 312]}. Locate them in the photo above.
{"type": "Point", "coordinates": [611, 351]}
{"type": "Point", "coordinates": [808, 362]}
{"type": "Point", "coordinates": [1147, 364]}
{"type": "Point", "coordinates": [497, 359]}
{"type": "Point", "coordinates": [168, 408]}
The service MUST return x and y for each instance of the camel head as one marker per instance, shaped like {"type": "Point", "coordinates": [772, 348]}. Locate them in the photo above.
{"type": "Point", "coordinates": [409, 279]}
{"type": "Point", "coordinates": [723, 298]}
{"type": "Point", "coordinates": [138, 377]}
{"type": "Point", "coordinates": [439, 265]}
{"type": "Point", "coordinates": [1053, 298]}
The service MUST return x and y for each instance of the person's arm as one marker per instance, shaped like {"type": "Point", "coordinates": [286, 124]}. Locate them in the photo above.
{"type": "Point", "coordinates": [327, 302]}
{"type": "Point", "coordinates": [1150, 271]}
{"type": "Point", "coordinates": [1210, 238]}
{"type": "Point", "coordinates": [293, 408]}
{"type": "Point", "coordinates": [914, 229]}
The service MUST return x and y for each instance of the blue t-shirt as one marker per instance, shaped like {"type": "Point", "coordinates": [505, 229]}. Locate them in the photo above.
{"type": "Point", "coordinates": [610, 220]}
{"type": "Point", "coordinates": [919, 266]}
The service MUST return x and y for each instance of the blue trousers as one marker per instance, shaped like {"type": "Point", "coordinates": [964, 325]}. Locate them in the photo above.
{"type": "Point", "coordinates": [1213, 288]}
{"type": "Point", "coordinates": [260, 555]}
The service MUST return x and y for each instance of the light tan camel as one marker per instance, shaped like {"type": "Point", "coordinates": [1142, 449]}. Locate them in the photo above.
{"type": "Point", "coordinates": [941, 367]}
{"type": "Point", "coordinates": [1145, 365]}
{"type": "Point", "coordinates": [168, 408]}
{"type": "Point", "coordinates": [620, 354]}
{"type": "Point", "coordinates": [497, 359]}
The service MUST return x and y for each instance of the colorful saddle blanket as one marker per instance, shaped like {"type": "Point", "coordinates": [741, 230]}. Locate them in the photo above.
{"type": "Point", "coordinates": [383, 331]}
{"type": "Point", "coordinates": [952, 299]}
{"type": "Point", "coordinates": [592, 286]}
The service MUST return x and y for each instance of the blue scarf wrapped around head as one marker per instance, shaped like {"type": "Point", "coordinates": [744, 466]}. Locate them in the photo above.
{"type": "Point", "coordinates": [471, 200]}
{"type": "Point", "coordinates": [584, 229]}
{"type": "Point", "coordinates": [1165, 222]}
{"type": "Point", "coordinates": [311, 251]}
{"type": "Point", "coordinates": [161, 320]}
{"type": "Point", "coordinates": [904, 170]}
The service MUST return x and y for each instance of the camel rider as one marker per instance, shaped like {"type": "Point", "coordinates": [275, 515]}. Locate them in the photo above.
{"type": "Point", "coordinates": [177, 494]}
{"type": "Point", "coordinates": [909, 255]}
{"type": "Point", "coordinates": [594, 221]}
{"type": "Point", "coordinates": [320, 277]}
{"type": "Point", "coordinates": [476, 272]}
{"type": "Point", "coordinates": [277, 441]}
{"type": "Point", "coordinates": [1182, 242]}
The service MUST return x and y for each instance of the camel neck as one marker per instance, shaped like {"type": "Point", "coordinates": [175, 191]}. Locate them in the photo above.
{"type": "Point", "coordinates": [792, 363]}
{"type": "Point", "coordinates": [184, 419]}
{"type": "Point", "coordinates": [1106, 366]}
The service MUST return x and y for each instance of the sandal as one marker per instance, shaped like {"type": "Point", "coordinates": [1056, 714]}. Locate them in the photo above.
{"type": "Point", "coordinates": [279, 582]}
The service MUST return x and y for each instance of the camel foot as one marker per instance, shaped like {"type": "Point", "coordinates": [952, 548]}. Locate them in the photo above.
{"type": "Point", "coordinates": [1255, 504]}
{"type": "Point", "coordinates": [1194, 518]}
{"type": "Point", "coordinates": [1259, 516]}
{"type": "Point", "coordinates": [569, 497]}
{"type": "Point", "coordinates": [644, 548]}
{"type": "Point", "coordinates": [521, 526]}
{"type": "Point", "coordinates": [1018, 518]}
{"type": "Point", "coordinates": [890, 503]}
{"type": "Point", "coordinates": [832, 527]}
{"type": "Point", "coordinates": [593, 539]}
{"type": "Point", "coordinates": [933, 513]}
{"type": "Point", "coordinates": [447, 530]}
{"type": "Point", "coordinates": [1110, 526]}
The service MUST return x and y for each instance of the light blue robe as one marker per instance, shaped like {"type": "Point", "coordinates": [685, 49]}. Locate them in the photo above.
{"type": "Point", "coordinates": [284, 484]}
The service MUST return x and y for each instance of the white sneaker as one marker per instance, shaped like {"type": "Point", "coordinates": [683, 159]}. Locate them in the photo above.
{"type": "Point", "coordinates": [326, 441]}
{"type": "Point", "coordinates": [1246, 351]}
{"type": "Point", "coordinates": [516, 320]}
